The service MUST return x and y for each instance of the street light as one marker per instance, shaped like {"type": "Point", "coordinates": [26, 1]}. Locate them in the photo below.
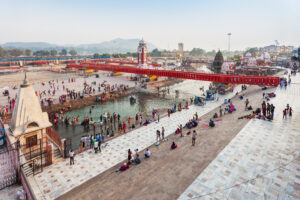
{"type": "Point", "coordinates": [229, 34]}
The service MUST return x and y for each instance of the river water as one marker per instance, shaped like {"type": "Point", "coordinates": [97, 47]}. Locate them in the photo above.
{"type": "Point", "coordinates": [145, 103]}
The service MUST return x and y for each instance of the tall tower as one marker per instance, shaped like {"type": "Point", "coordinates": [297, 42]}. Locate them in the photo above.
{"type": "Point", "coordinates": [180, 52]}
{"type": "Point", "coordinates": [142, 54]}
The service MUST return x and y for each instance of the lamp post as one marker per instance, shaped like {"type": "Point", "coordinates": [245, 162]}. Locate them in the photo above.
{"type": "Point", "coordinates": [229, 34]}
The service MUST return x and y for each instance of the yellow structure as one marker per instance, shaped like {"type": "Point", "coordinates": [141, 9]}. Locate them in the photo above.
{"type": "Point", "coordinates": [117, 73]}
{"type": "Point", "coordinates": [152, 78]}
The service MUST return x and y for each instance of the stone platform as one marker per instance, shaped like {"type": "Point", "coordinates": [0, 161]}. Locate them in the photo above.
{"type": "Point", "coordinates": [261, 162]}
{"type": "Point", "coordinates": [59, 178]}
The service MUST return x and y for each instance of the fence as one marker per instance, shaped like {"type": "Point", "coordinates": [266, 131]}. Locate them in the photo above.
{"type": "Point", "coordinates": [18, 176]}
{"type": "Point", "coordinates": [26, 186]}
{"type": "Point", "coordinates": [55, 137]}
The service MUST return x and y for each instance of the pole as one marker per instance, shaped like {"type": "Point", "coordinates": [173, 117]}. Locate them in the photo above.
{"type": "Point", "coordinates": [229, 34]}
{"type": "Point", "coordinates": [41, 153]}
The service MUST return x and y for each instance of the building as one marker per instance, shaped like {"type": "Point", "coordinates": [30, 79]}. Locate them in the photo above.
{"type": "Point", "coordinates": [180, 52]}
{"type": "Point", "coordinates": [31, 130]}
{"type": "Point", "coordinates": [142, 54]}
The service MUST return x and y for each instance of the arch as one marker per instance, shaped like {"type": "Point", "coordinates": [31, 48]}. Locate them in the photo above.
{"type": "Point", "coordinates": [32, 125]}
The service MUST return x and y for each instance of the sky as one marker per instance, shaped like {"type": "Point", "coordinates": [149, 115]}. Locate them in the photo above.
{"type": "Point", "coordinates": [165, 23]}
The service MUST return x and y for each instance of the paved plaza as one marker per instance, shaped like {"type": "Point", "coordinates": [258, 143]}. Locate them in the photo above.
{"type": "Point", "coordinates": [261, 162]}
{"type": "Point", "coordinates": [59, 178]}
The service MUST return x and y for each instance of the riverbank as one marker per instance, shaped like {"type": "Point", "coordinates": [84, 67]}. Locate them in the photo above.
{"type": "Point", "coordinates": [91, 100]}
{"type": "Point", "coordinates": [86, 101]}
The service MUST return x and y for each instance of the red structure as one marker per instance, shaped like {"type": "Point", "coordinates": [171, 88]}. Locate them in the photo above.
{"type": "Point", "coordinates": [234, 79]}
{"type": "Point", "coordinates": [142, 54]}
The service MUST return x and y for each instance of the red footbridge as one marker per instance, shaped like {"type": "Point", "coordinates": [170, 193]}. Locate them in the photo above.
{"type": "Point", "coordinates": [221, 78]}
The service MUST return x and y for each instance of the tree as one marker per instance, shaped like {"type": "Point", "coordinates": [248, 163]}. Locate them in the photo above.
{"type": "Point", "coordinates": [96, 55]}
{"type": "Point", "coordinates": [218, 62]}
{"type": "Point", "coordinates": [3, 52]}
{"type": "Point", "coordinates": [15, 52]}
{"type": "Point", "coordinates": [106, 55]}
{"type": "Point", "coordinates": [53, 52]}
{"type": "Point", "coordinates": [28, 52]}
{"type": "Point", "coordinates": [63, 52]}
{"type": "Point", "coordinates": [46, 53]}
{"type": "Point", "coordinates": [237, 59]}
{"type": "Point", "coordinates": [211, 53]}
{"type": "Point", "coordinates": [129, 54]}
{"type": "Point", "coordinates": [41, 53]}
{"type": "Point", "coordinates": [254, 51]}
{"type": "Point", "coordinates": [197, 52]}
{"type": "Point", "coordinates": [155, 53]}
{"type": "Point", "coordinates": [73, 52]}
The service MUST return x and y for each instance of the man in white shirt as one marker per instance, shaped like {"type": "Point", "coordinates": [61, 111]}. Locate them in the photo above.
{"type": "Point", "coordinates": [96, 146]}
{"type": "Point", "coordinates": [147, 153]}
{"type": "Point", "coordinates": [71, 154]}
{"type": "Point", "coordinates": [194, 137]}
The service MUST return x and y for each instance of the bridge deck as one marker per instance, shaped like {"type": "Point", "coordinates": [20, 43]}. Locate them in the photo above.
{"type": "Point", "coordinates": [221, 78]}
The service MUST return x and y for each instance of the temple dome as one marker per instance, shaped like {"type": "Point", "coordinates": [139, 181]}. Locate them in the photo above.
{"type": "Point", "coordinates": [248, 55]}
{"type": "Point", "coordinates": [27, 114]}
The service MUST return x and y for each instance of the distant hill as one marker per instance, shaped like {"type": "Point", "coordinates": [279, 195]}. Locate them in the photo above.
{"type": "Point", "coordinates": [118, 45]}
{"type": "Point", "coordinates": [28, 45]}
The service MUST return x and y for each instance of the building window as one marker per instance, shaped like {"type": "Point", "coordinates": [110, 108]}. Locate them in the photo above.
{"type": "Point", "coordinates": [31, 141]}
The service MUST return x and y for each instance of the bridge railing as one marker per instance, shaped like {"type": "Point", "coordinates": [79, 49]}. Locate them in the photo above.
{"type": "Point", "coordinates": [235, 79]}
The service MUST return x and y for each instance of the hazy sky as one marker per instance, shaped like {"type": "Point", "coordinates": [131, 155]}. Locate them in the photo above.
{"type": "Point", "coordinates": [196, 23]}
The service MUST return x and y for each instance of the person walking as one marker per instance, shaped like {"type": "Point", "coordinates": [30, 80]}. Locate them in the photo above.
{"type": "Point", "coordinates": [163, 132]}
{"type": "Point", "coordinates": [100, 141]}
{"type": "Point", "coordinates": [264, 108]}
{"type": "Point", "coordinates": [272, 110]}
{"type": "Point", "coordinates": [246, 104]}
{"type": "Point", "coordinates": [194, 134]}
{"type": "Point", "coordinates": [129, 155]}
{"type": "Point", "coordinates": [71, 154]}
{"type": "Point", "coordinates": [221, 111]}
{"type": "Point", "coordinates": [141, 120]}
{"type": "Point", "coordinates": [124, 127]}
{"type": "Point", "coordinates": [158, 138]}
{"type": "Point", "coordinates": [91, 142]}
{"type": "Point", "coordinates": [129, 122]}
{"type": "Point", "coordinates": [180, 130]}
{"type": "Point", "coordinates": [96, 146]}
{"type": "Point", "coordinates": [290, 111]}
{"type": "Point", "coordinates": [284, 114]}
{"type": "Point", "coordinates": [268, 109]}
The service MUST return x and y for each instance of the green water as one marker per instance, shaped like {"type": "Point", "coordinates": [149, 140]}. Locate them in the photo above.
{"type": "Point", "coordinates": [145, 102]}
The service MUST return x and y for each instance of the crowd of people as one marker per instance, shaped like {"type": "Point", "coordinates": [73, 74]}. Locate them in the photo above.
{"type": "Point", "coordinates": [6, 109]}
{"type": "Point", "coordinates": [48, 91]}
{"type": "Point", "coordinates": [288, 111]}
{"type": "Point", "coordinates": [104, 89]}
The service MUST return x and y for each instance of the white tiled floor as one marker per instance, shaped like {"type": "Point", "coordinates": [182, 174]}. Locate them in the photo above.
{"type": "Point", "coordinates": [261, 162]}
{"type": "Point", "coordinates": [59, 178]}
